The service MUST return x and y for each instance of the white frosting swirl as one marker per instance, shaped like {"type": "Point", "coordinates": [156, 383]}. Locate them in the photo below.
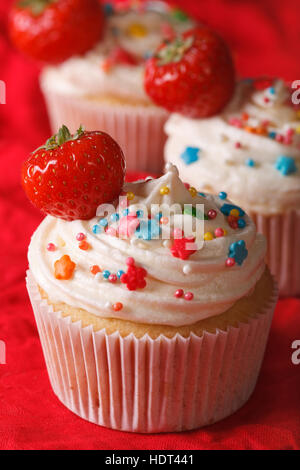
{"type": "Point", "coordinates": [224, 150]}
{"type": "Point", "coordinates": [215, 286]}
{"type": "Point", "coordinates": [84, 76]}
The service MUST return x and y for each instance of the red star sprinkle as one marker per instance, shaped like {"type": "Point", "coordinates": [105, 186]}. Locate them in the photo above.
{"type": "Point", "coordinates": [179, 249]}
{"type": "Point", "coordinates": [134, 278]}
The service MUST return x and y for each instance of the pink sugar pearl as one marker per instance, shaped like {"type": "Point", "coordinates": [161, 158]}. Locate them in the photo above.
{"type": "Point", "coordinates": [51, 247]}
{"type": "Point", "coordinates": [80, 237]}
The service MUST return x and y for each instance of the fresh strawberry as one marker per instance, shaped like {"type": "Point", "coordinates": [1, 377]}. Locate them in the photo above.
{"type": "Point", "coordinates": [53, 30]}
{"type": "Point", "coordinates": [192, 75]}
{"type": "Point", "coordinates": [70, 176]}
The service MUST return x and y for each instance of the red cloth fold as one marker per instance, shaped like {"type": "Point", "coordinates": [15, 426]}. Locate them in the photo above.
{"type": "Point", "coordinates": [264, 36]}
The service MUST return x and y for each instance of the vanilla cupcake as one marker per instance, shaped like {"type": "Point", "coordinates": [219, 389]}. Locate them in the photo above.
{"type": "Point", "coordinates": [251, 152]}
{"type": "Point", "coordinates": [104, 88]}
{"type": "Point", "coordinates": [162, 322]}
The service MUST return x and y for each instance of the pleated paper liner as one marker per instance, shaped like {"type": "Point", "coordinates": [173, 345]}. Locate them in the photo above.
{"type": "Point", "coordinates": [139, 130]}
{"type": "Point", "coordinates": [283, 236]}
{"type": "Point", "coordinates": [150, 385]}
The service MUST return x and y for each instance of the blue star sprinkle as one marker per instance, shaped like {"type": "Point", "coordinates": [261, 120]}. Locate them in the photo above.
{"type": "Point", "coordinates": [190, 155]}
{"type": "Point", "coordinates": [148, 230]}
{"type": "Point", "coordinates": [286, 165]}
{"type": "Point", "coordinates": [238, 252]}
{"type": "Point", "coordinates": [226, 208]}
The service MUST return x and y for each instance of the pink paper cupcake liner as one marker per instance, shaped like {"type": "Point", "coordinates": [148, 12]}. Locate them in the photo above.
{"type": "Point", "coordinates": [146, 385]}
{"type": "Point", "coordinates": [139, 130]}
{"type": "Point", "coordinates": [283, 236]}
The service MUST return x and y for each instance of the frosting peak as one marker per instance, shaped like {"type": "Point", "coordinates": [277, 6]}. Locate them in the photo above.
{"type": "Point", "coordinates": [191, 242]}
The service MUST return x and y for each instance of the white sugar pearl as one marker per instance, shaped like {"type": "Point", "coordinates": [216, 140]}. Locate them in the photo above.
{"type": "Point", "coordinates": [186, 269]}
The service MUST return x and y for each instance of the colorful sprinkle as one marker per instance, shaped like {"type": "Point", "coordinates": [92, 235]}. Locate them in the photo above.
{"type": "Point", "coordinates": [189, 296]}
{"type": "Point", "coordinates": [130, 195]}
{"type": "Point", "coordinates": [238, 252]}
{"type": "Point", "coordinates": [164, 190]}
{"type": "Point", "coordinates": [51, 247]}
{"type": "Point", "coordinates": [219, 232]}
{"type": "Point", "coordinates": [84, 245]}
{"type": "Point", "coordinates": [234, 212]}
{"type": "Point", "coordinates": [226, 208]}
{"type": "Point", "coordinates": [179, 248]}
{"type": "Point", "coordinates": [95, 269]}
{"type": "Point", "coordinates": [134, 278]}
{"type": "Point", "coordinates": [115, 217]}
{"type": "Point", "coordinates": [241, 223]}
{"type": "Point", "coordinates": [193, 191]}
{"type": "Point", "coordinates": [212, 214]}
{"type": "Point", "coordinates": [249, 162]}
{"type": "Point", "coordinates": [64, 268]}
{"type": "Point", "coordinates": [117, 306]}
{"type": "Point", "coordinates": [222, 195]}
{"type": "Point", "coordinates": [103, 222]}
{"type": "Point", "coordinates": [97, 229]}
{"type": "Point", "coordinates": [80, 236]}
{"type": "Point", "coordinates": [106, 274]}
{"type": "Point", "coordinates": [113, 278]}
{"type": "Point", "coordinates": [286, 165]}
{"type": "Point", "coordinates": [148, 230]}
{"type": "Point", "coordinates": [130, 261]}
{"type": "Point", "coordinates": [208, 236]}
{"type": "Point", "coordinates": [179, 293]}
{"type": "Point", "coordinates": [120, 273]}
{"type": "Point", "coordinates": [137, 30]}
{"type": "Point", "coordinates": [230, 262]}
{"type": "Point", "coordinates": [190, 155]}
{"type": "Point", "coordinates": [140, 214]}
{"type": "Point", "coordinates": [128, 225]}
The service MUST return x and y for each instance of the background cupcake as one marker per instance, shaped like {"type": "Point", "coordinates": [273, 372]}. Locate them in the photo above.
{"type": "Point", "coordinates": [154, 316]}
{"type": "Point", "coordinates": [251, 151]}
{"type": "Point", "coordinates": [103, 89]}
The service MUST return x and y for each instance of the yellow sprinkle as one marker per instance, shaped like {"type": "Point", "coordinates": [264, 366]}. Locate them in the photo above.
{"type": "Point", "coordinates": [164, 190]}
{"type": "Point", "coordinates": [130, 196]}
{"type": "Point", "coordinates": [225, 232]}
{"type": "Point", "coordinates": [298, 114]}
{"type": "Point", "coordinates": [193, 191]}
{"type": "Point", "coordinates": [137, 30]}
{"type": "Point", "coordinates": [235, 212]}
{"type": "Point", "coordinates": [208, 236]}
{"type": "Point", "coordinates": [298, 130]}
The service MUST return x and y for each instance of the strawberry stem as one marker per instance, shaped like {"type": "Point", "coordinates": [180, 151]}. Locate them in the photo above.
{"type": "Point", "coordinates": [61, 138]}
{"type": "Point", "coordinates": [174, 51]}
{"type": "Point", "coordinates": [36, 6]}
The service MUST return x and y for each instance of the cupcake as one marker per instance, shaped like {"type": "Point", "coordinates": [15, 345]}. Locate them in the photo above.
{"type": "Point", "coordinates": [153, 312]}
{"type": "Point", "coordinates": [103, 88]}
{"type": "Point", "coordinates": [251, 152]}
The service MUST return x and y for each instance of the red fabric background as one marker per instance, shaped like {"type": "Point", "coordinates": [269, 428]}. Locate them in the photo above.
{"type": "Point", "coordinates": [264, 36]}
